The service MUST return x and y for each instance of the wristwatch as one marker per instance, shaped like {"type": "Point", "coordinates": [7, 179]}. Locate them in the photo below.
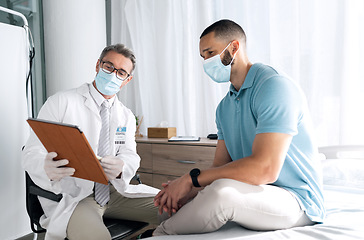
{"type": "Point", "coordinates": [194, 174]}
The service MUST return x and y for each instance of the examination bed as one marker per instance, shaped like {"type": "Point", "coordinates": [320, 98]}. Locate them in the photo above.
{"type": "Point", "coordinates": [343, 176]}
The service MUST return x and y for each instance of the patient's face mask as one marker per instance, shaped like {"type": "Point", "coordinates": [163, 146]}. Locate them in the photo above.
{"type": "Point", "coordinates": [107, 84]}
{"type": "Point", "coordinates": [216, 70]}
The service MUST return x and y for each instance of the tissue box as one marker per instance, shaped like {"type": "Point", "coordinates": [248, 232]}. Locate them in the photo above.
{"type": "Point", "coordinates": [161, 132]}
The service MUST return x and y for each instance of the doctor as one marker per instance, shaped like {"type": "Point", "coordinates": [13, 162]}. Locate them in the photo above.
{"type": "Point", "coordinates": [79, 214]}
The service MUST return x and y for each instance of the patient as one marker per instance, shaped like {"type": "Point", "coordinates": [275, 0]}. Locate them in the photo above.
{"type": "Point", "coordinates": [265, 174]}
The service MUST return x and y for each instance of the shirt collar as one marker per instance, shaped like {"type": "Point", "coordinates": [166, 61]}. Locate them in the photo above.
{"type": "Point", "coordinates": [249, 79]}
{"type": "Point", "coordinates": [98, 98]}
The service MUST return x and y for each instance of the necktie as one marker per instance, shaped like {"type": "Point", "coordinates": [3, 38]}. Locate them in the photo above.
{"type": "Point", "coordinates": [102, 193]}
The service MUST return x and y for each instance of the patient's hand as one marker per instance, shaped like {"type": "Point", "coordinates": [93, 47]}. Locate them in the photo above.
{"type": "Point", "coordinates": [173, 195]}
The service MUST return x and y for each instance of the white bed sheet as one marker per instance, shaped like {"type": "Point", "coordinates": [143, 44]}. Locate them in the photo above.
{"type": "Point", "coordinates": [344, 221]}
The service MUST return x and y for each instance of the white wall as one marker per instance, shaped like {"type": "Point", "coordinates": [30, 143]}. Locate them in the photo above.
{"type": "Point", "coordinates": [74, 36]}
{"type": "Point", "coordinates": [14, 221]}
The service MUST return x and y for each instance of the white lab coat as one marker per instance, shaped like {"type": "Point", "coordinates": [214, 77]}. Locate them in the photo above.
{"type": "Point", "coordinates": [77, 107]}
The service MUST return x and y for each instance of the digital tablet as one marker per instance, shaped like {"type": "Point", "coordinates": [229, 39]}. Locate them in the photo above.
{"type": "Point", "coordinates": [69, 142]}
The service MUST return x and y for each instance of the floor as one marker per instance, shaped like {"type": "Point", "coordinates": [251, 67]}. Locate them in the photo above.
{"type": "Point", "coordinates": [41, 235]}
{"type": "Point", "coordinates": [30, 237]}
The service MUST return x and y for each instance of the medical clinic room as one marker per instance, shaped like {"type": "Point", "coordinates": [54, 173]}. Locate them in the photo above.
{"type": "Point", "coordinates": [182, 119]}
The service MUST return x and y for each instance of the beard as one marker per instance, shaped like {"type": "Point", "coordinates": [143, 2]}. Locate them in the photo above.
{"type": "Point", "coordinates": [227, 58]}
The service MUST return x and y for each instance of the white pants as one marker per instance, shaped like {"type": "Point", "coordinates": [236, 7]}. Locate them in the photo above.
{"type": "Point", "coordinates": [262, 207]}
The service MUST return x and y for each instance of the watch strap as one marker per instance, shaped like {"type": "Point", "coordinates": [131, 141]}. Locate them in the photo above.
{"type": "Point", "coordinates": [195, 182]}
{"type": "Point", "coordinates": [194, 174]}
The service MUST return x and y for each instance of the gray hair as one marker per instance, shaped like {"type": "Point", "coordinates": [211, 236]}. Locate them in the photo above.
{"type": "Point", "coordinates": [121, 49]}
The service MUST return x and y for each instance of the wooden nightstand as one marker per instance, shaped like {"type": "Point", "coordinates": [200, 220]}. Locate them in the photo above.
{"type": "Point", "coordinates": [162, 160]}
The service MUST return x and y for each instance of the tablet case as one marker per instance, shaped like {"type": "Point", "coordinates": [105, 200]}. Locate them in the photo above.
{"type": "Point", "coordinates": [69, 142]}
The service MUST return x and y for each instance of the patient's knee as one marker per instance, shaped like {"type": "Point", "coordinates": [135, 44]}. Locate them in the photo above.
{"type": "Point", "coordinates": [217, 199]}
{"type": "Point", "coordinates": [229, 190]}
{"type": "Point", "coordinates": [220, 191]}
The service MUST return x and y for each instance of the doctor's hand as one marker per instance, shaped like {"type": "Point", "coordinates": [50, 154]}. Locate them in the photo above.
{"type": "Point", "coordinates": [113, 166]}
{"type": "Point", "coordinates": [54, 169]}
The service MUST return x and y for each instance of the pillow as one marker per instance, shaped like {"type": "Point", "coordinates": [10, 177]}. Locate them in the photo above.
{"type": "Point", "coordinates": [347, 173]}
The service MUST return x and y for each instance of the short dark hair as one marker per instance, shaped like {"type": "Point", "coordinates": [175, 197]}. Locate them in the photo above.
{"type": "Point", "coordinates": [121, 49]}
{"type": "Point", "coordinates": [225, 30]}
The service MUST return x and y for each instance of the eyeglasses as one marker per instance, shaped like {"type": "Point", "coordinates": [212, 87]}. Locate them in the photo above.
{"type": "Point", "coordinates": [109, 68]}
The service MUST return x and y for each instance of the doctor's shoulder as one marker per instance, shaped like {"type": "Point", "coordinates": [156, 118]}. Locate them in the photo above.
{"type": "Point", "coordinates": [62, 99]}
{"type": "Point", "coordinates": [121, 107]}
{"type": "Point", "coordinates": [125, 112]}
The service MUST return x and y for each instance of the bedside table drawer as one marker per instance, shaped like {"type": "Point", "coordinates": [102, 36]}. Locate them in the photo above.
{"type": "Point", "coordinates": [144, 151]}
{"type": "Point", "coordinates": [177, 160]}
{"type": "Point", "coordinates": [159, 179]}
{"type": "Point", "coordinates": [162, 161]}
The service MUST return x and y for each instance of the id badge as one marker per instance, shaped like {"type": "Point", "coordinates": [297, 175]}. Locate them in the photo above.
{"type": "Point", "coordinates": [120, 135]}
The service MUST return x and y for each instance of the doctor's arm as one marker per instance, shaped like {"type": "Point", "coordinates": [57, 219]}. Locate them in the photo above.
{"type": "Point", "coordinates": [40, 165]}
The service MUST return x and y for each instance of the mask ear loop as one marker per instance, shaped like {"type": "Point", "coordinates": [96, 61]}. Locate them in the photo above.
{"type": "Point", "coordinates": [225, 48]}
{"type": "Point", "coordinates": [234, 55]}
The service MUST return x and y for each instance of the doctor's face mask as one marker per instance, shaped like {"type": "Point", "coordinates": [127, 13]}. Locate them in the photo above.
{"type": "Point", "coordinates": [107, 84]}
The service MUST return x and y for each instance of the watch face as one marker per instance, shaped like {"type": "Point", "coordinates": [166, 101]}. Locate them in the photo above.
{"type": "Point", "coordinates": [195, 172]}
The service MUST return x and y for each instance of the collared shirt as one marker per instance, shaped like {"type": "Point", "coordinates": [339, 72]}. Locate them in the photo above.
{"type": "Point", "coordinates": [269, 102]}
{"type": "Point", "coordinates": [98, 98]}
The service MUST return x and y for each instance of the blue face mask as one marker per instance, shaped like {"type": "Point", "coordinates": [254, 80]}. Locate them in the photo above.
{"type": "Point", "coordinates": [107, 84]}
{"type": "Point", "coordinates": [216, 70]}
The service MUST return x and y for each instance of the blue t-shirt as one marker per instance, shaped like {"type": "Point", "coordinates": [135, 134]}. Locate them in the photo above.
{"type": "Point", "coordinates": [270, 102]}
